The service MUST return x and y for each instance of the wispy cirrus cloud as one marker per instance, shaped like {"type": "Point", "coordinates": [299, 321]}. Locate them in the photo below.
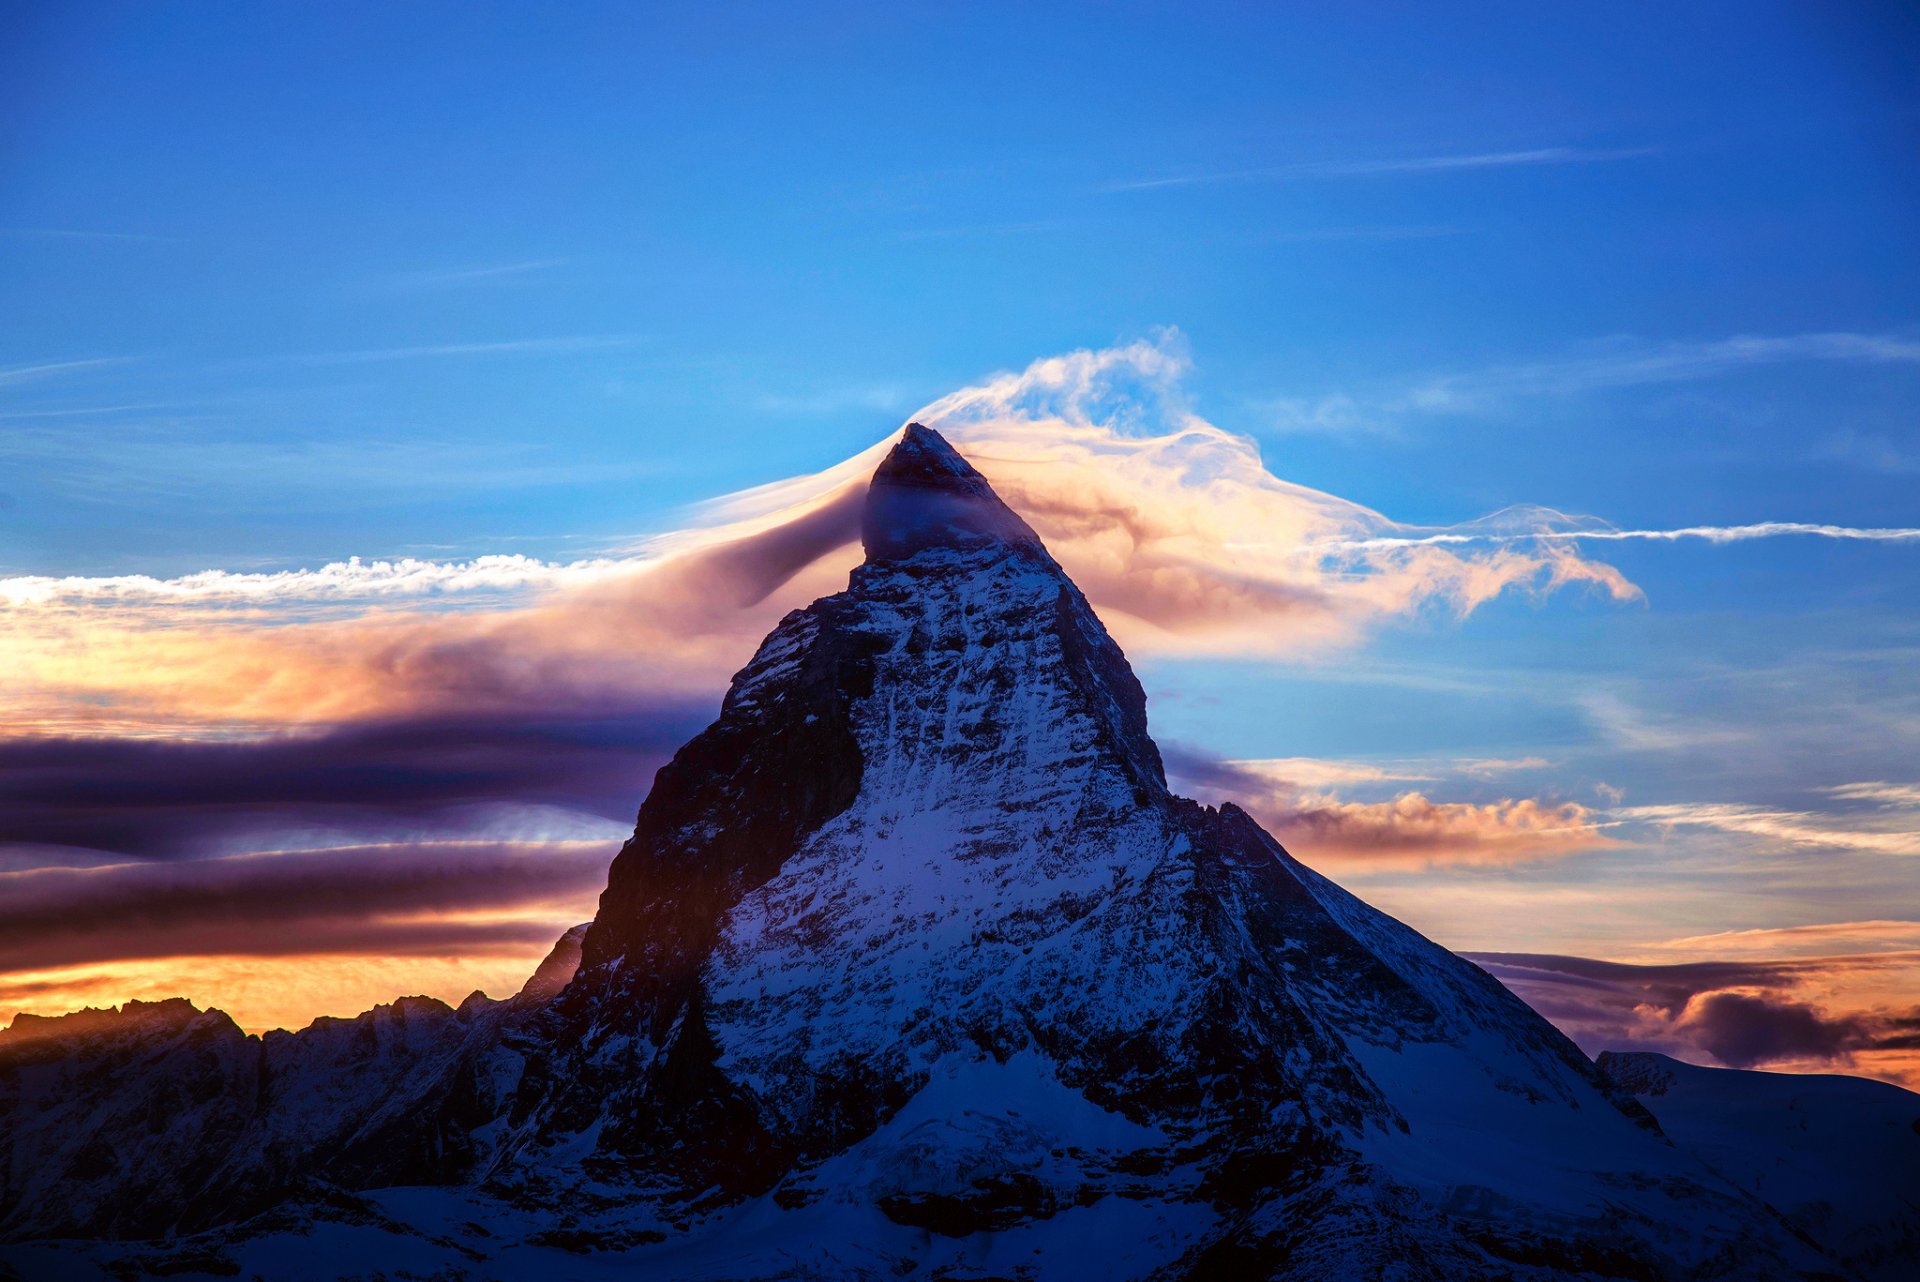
{"type": "Point", "coordinates": [483, 274]}
{"type": "Point", "coordinates": [1455, 162]}
{"type": "Point", "coordinates": [1817, 937]}
{"type": "Point", "coordinates": [1363, 232]}
{"type": "Point", "coordinates": [1586, 529]}
{"type": "Point", "coordinates": [46, 369]}
{"type": "Point", "coordinates": [224, 468]}
{"type": "Point", "coordinates": [1630, 362]}
{"type": "Point", "coordinates": [868, 398]}
{"type": "Point", "coordinates": [1889, 824]}
{"type": "Point", "coordinates": [78, 233]}
{"type": "Point", "coordinates": [1600, 367]}
{"type": "Point", "coordinates": [498, 347]}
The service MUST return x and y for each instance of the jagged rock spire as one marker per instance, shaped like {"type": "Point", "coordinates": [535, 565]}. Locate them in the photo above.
{"type": "Point", "coordinates": [925, 495]}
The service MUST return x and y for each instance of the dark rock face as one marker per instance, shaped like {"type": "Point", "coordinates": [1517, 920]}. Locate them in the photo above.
{"type": "Point", "coordinates": [913, 962]}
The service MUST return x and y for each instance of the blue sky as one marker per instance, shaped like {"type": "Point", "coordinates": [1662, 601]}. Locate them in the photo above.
{"type": "Point", "coordinates": [786, 229]}
{"type": "Point", "coordinates": [280, 286]}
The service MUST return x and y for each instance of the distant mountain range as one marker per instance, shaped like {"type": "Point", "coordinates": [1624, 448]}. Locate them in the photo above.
{"type": "Point", "coordinates": [914, 967]}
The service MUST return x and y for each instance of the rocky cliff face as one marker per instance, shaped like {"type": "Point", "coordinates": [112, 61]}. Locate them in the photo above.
{"type": "Point", "coordinates": [915, 964]}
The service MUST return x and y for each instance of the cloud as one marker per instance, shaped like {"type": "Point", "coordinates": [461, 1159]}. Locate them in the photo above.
{"type": "Point", "coordinates": [352, 579]}
{"type": "Point", "coordinates": [221, 469]}
{"type": "Point", "coordinates": [969, 230]}
{"type": "Point", "coordinates": [1866, 449]}
{"type": "Point", "coordinates": [1890, 827]}
{"type": "Point", "coordinates": [1635, 362]}
{"type": "Point", "coordinates": [396, 899]}
{"type": "Point", "coordinates": [71, 233]}
{"type": "Point", "coordinates": [1741, 1030]}
{"type": "Point", "coordinates": [1182, 538]}
{"type": "Point", "coordinates": [1600, 367]}
{"type": "Point", "coordinates": [1739, 1013]}
{"type": "Point", "coordinates": [1300, 772]}
{"type": "Point", "coordinates": [1288, 798]}
{"type": "Point", "coordinates": [29, 373]}
{"type": "Point", "coordinates": [875, 398]}
{"type": "Point", "coordinates": [167, 798]}
{"type": "Point", "coordinates": [1710, 533]}
{"type": "Point", "coordinates": [1889, 794]}
{"type": "Point", "coordinates": [381, 707]}
{"type": "Point", "coordinates": [1408, 165]}
{"type": "Point", "coordinates": [1310, 235]}
{"type": "Point", "coordinates": [1775, 941]}
{"type": "Point", "coordinates": [503, 347]}
{"type": "Point", "coordinates": [488, 274]}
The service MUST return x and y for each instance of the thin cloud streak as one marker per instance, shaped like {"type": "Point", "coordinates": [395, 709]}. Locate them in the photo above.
{"type": "Point", "coordinates": [83, 411]}
{"type": "Point", "coordinates": [1292, 799]}
{"type": "Point", "coordinates": [1771, 941]}
{"type": "Point", "coordinates": [28, 373]}
{"type": "Point", "coordinates": [507, 347]}
{"type": "Point", "coordinates": [1709, 533]}
{"type": "Point", "coordinates": [1791, 827]}
{"type": "Point", "coordinates": [1804, 1013]}
{"type": "Point", "coordinates": [1608, 366]}
{"type": "Point", "coordinates": [352, 579]}
{"type": "Point", "coordinates": [426, 897]}
{"type": "Point", "coordinates": [1405, 165]}
{"type": "Point", "coordinates": [479, 275]}
{"type": "Point", "coordinates": [73, 233]}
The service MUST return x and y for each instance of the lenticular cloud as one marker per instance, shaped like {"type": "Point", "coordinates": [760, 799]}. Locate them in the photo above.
{"type": "Point", "coordinates": [1181, 535]}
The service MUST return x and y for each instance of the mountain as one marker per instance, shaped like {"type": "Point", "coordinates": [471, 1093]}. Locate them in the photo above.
{"type": "Point", "coordinates": [159, 1118]}
{"type": "Point", "coordinates": [913, 966]}
{"type": "Point", "coordinates": [1839, 1155]}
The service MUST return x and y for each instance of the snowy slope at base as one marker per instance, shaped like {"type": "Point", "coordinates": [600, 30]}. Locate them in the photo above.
{"type": "Point", "coordinates": [1840, 1156]}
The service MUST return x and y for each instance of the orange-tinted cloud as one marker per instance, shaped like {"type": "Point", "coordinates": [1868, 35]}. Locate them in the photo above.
{"type": "Point", "coordinates": [426, 898]}
{"type": "Point", "coordinates": [169, 798]}
{"type": "Point", "coordinates": [1316, 825]}
{"type": "Point", "coordinates": [1181, 537]}
{"type": "Point", "coordinates": [277, 938]}
{"type": "Point", "coordinates": [1795, 1014]}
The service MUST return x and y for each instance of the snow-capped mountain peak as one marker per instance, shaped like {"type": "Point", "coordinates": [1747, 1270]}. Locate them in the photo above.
{"type": "Point", "coordinates": [913, 962]}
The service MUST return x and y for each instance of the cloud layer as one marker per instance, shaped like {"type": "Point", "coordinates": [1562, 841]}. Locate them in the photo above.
{"type": "Point", "coordinates": [1792, 1013]}
{"type": "Point", "coordinates": [1293, 800]}
{"type": "Point", "coordinates": [1182, 538]}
